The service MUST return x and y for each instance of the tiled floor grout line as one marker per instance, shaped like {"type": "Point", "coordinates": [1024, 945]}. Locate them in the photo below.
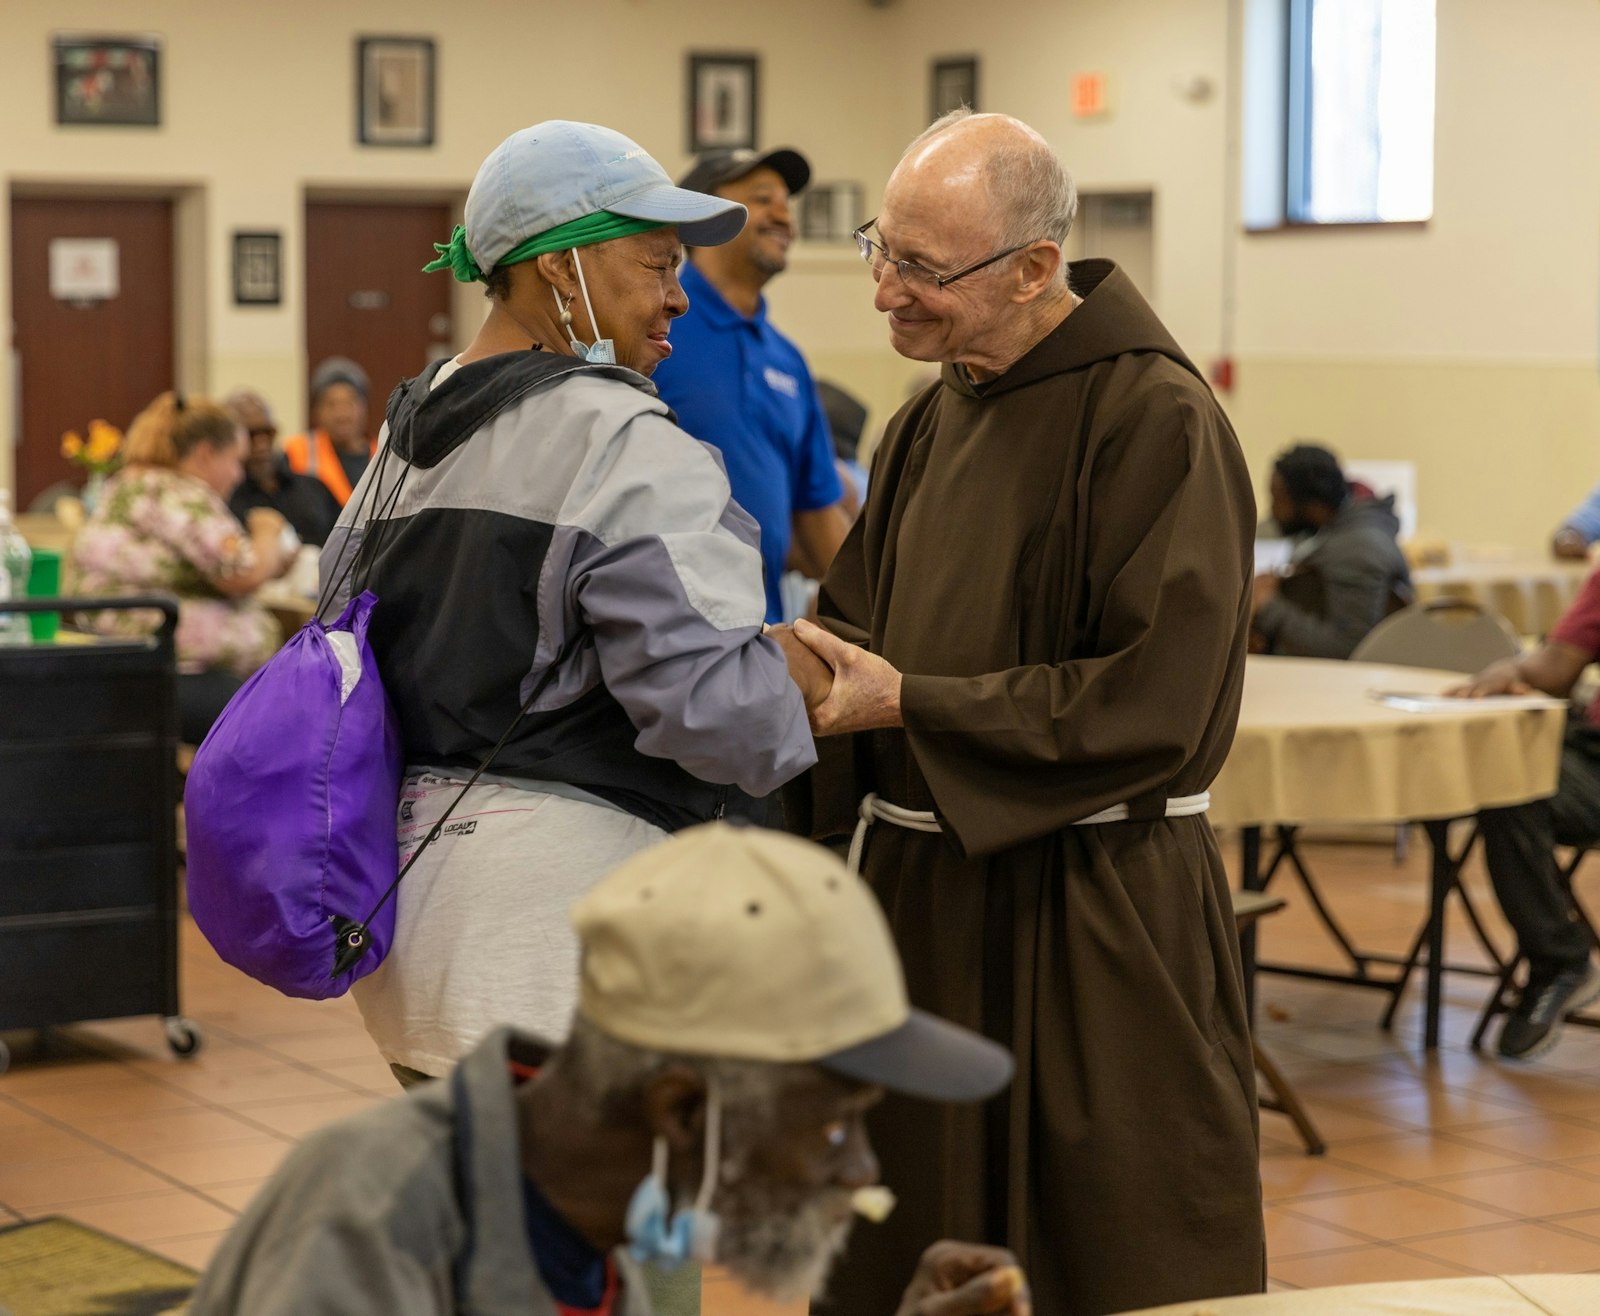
{"type": "Point", "coordinates": [132, 1159]}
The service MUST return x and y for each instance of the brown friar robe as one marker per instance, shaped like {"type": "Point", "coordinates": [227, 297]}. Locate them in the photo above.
{"type": "Point", "coordinates": [1059, 563]}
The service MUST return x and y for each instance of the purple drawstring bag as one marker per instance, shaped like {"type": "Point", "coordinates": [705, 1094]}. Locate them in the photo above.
{"type": "Point", "coordinates": [290, 814]}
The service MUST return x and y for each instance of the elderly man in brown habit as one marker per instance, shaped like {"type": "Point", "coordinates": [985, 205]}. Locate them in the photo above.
{"type": "Point", "coordinates": [1040, 698]}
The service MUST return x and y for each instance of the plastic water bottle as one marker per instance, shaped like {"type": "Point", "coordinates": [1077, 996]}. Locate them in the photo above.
{"type": "Point", "coordinates": [16, 560]}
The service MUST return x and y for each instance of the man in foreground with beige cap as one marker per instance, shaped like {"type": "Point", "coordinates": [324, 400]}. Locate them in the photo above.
{"type": "Point", "coordinates": [741, 1008]}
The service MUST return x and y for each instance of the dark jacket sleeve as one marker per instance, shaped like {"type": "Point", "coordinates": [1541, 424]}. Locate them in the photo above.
{"type": "Point", "coordinates": [1355, 587]}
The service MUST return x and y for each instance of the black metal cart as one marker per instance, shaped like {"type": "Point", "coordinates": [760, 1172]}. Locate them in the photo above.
{"type": "Point", "coordinates": [88, 847]}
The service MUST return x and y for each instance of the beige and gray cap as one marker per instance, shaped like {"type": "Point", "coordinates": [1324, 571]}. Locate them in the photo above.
{"type": "Point", "coordinates": [750, 944]}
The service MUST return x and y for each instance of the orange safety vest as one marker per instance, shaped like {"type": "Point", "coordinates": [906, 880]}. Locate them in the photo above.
{"type": "Point", "coordinates": [328, 468]}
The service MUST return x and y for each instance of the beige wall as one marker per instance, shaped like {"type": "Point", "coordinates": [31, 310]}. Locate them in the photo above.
{"type": "Point", "coordinates": [1468, 345]}
{"type": "Point", "coordinates": [258, 109]}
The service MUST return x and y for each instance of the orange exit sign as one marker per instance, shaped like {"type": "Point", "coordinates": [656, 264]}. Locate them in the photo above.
{"type": "Point", "coordinates": [1089, 98]}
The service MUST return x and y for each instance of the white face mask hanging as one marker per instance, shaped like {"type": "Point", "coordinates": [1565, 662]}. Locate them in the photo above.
{"type": "Point", "coordinates": [656, 1233]}
{"type": "Point", "coordinates": [603, 352]}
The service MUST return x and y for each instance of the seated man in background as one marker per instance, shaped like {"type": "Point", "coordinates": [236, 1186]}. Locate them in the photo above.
{"type": "Point", "coordinates": [1581, 528]}
{"type": "Point", "coordinates": [1519, 842]}
{"type": "Point", "coordinates": [1348, 571]}
{"type": "Point", "coordinates": [303, 501]}
{"type": "Point", "coordinates": [337, 448]}
{"type": "Point", "coordinates": [708, 1105]}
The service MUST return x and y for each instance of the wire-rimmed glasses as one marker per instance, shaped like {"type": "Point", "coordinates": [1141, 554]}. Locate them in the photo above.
{"type": "Point", "coordinates": [912, 274]}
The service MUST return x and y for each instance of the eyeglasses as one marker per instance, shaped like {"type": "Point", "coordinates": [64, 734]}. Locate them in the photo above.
{"type": "Point", "coordinates": [919, 276]}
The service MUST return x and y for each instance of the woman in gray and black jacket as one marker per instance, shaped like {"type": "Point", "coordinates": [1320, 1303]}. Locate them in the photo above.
{"type": "Point", "coordinates": [537, 512]}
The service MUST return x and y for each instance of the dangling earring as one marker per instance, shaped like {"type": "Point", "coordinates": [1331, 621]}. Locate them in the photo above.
{"type": "Point", "coordinates": [566, 316]}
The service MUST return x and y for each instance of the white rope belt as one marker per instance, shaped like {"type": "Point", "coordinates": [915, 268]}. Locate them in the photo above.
{"type": "Point", "coordinates": [915, 820]}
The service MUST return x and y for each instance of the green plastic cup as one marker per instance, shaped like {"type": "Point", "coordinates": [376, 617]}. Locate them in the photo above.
{"type": "Point", "coordinates": [44, 581]}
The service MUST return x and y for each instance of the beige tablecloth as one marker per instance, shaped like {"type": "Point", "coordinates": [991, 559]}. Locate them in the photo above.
{"type": "Point", "coordinates": [1488, 1295]}
{"type": "Point", "coordinates": [1529, 592]}
{"type": "Point", "coordinates": [1313, 746]}
{"type": "Point", "coordinates": [45, 532]}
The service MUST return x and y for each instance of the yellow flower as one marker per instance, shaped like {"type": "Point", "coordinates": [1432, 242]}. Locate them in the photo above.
{"type": "Point", "coordinates": [104, 440]}
{"type": "Point", "coordinates": [71, 445]}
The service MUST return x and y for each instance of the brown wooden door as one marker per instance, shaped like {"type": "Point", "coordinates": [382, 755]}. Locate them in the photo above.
{"type": "Point", "coordinates": [366, 295]}
{"type": "Point", "coordinates": [87, 359]}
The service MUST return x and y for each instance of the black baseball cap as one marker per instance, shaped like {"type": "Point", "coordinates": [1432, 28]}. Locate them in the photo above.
{"type": "Point", "coordinates": [715, 168]}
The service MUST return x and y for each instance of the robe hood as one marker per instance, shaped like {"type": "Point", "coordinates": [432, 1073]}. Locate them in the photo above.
{"type": "Point", "coordinates": [1113, 320]}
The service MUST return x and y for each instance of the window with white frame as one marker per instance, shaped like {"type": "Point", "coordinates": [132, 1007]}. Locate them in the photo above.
{"type": "Point", "coordinates": [1339, 100]}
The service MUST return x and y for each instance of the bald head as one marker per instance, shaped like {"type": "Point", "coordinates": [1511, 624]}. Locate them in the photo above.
{"type": "Point", "coordinates": [996, 165]}
{"type": "Point", "coordinates": [969, 266]}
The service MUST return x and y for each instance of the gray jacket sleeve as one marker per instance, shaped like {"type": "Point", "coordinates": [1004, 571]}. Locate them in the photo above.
{"type": "Point", "coordinates": [666, 571]}
{"type": "Point", "coordinates": [319, 1268]}
{"type": "Point", "coordinates": [360, 1221]}
{"type": "Point", "coordinates": [1355, 592]}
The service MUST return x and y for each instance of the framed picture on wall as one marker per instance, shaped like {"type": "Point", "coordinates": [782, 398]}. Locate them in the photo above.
{"type": "Point", "coordinates": [723, 95]}
{"type": "Point", "coordinates": [104, 81]}
{"type": "Point", "coordinates": [954, 83]}
{"type": "Point", "coordinates": [257, 269]}
{"type": "Point", "coordinates": [394, 91]}
{"type": "Point", "coordinates": [830, 212]}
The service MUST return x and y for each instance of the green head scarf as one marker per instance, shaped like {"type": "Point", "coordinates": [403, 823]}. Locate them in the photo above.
{"type": "Point", "coordinates": [602, 226]}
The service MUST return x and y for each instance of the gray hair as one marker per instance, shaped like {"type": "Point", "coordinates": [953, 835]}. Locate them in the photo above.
{"type": "Point", "coordinates": [611, 1074]}
{"type": "Point", "coordinates": [1033, 195]}
{"type": "Point", "coordinates": [247, 397]}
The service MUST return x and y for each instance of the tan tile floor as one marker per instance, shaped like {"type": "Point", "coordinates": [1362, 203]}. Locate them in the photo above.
{"type": "Point", "coordinates": [1437, 1166]}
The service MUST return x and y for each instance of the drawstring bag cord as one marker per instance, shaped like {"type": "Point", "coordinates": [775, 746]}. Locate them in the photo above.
{"type": "Point", "coordinates": [352, 938]}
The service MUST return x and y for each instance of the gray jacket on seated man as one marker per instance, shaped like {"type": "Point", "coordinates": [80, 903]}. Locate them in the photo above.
{"type": "Point", "coordinates": [741, 1007]}
{"type": "Point", "coordinates": [1347, 570]}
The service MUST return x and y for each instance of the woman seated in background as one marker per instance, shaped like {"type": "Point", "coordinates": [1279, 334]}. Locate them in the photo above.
{"type": "Point", "coordinates": [162, 523]}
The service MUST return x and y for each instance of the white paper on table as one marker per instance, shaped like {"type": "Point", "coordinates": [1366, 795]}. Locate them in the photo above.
{"type": "Point", "coordinates": [1413, 702]}
{"type": "Point", "coordinates": [1273, 556]}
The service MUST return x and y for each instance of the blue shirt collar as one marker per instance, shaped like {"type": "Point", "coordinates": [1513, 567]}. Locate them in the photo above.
{"type": "Point", "coordinates": [703, 293]}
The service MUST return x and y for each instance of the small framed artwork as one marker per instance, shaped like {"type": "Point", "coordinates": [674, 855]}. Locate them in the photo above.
{"type": "Point", "coordinates": [954, 83]}
{"type": "Point", "coordinates": [108, 81]}
{"type": "Point", "coordinates": [723, 92]}
{"type": "Point", "coordinates": [394, 91]}
{"type": "Point", "coordinates": [830, 212]}
{"type": "Point", "coordinates": [257, 269]}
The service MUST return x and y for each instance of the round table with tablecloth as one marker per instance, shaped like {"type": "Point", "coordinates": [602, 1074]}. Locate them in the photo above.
{"type": "Point", "coordinates": [1483, 1295]}
{"type": "Point", "coordinates": [1315, 746]}
{"type": "Point", "coordinates": [1529, 592]}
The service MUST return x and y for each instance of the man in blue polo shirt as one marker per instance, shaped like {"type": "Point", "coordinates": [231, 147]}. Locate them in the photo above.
{"type": "Point", "coordinates": [739, 384]}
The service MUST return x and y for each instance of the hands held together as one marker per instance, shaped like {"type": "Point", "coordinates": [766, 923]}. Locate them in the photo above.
{"type": "Point", "coordinates": [846, 688]}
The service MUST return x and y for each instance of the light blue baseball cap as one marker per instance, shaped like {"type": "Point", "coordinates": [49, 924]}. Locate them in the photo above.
{"type": "Point", "coordinates": [559, 171]}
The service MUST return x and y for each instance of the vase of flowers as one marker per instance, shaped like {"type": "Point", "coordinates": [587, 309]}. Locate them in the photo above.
{"type": "Point", "coordinates": [99, 454]}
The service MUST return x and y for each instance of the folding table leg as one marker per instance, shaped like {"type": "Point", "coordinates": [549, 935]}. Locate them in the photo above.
{"type": "Point", "coordinates": [1444, 873]}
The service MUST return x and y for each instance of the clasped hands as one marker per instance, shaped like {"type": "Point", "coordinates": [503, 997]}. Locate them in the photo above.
{"type": "Point", "coordinates": [845, 687]}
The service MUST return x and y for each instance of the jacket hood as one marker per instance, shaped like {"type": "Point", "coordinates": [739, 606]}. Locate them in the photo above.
{"type": "Point", "coordinates": [426, 424]}
{"type": "Point", "coordinates": [1113, 321]}
{"type": "Point", "coordinates": [1376, 512]}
